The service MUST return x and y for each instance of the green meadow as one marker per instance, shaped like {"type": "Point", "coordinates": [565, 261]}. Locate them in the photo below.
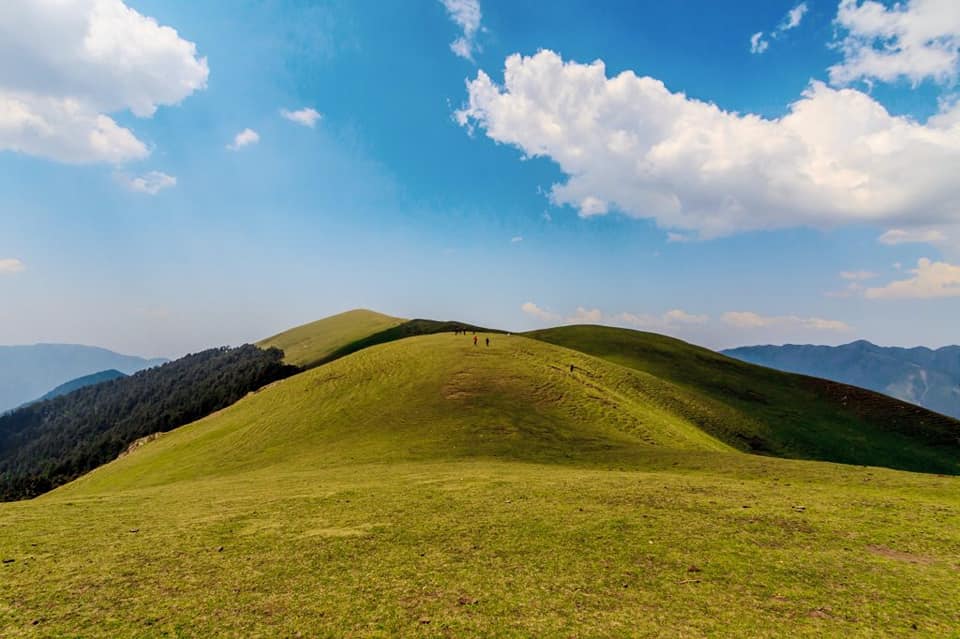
{"type": "Point", "coordinates": [586, 483]}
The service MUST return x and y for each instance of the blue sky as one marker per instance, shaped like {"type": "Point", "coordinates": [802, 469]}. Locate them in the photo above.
{"type": "Point", "coordinates": [431, 185]}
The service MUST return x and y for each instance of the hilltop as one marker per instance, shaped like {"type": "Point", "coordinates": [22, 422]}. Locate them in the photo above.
{"type": "Point", "coordinates": [923, 376]}
{"type": "Point", "coordinates": [311, 344]}
{"type": "Point", "coordinates": [339, 335]}
{"type": "Point", "coordinates": [579, 481]}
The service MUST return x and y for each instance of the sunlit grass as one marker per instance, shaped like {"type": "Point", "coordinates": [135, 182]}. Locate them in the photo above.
{"type": "Point", "coordinates": [428, 487]}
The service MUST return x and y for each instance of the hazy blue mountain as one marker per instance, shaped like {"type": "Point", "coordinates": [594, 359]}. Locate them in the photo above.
{"type": "Point", "coordinates": [27, 372]}
{"type": "Point", "coordinates": [923, 376]}
{"type": "Point", "coordinates": [82, 382]}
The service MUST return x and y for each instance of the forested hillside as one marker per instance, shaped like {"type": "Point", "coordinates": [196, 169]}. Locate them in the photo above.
{"type": "Point", "coordinates": [49, 443]}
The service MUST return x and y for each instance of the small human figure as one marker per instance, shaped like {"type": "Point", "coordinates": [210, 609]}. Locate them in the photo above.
{"type": "Point", "coordinates": [571, 368]}
{"type": "Point", "coordinates": [474, 340]}
{"type": "Point", "coordinates": [488, 342]}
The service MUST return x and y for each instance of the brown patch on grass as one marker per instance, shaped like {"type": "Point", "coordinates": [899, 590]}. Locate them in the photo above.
{"type": "Point", "coordinates": [335, 532]}
{"type": "Point", "coordinates": [455, 388]}
{"type": "Point", "coordinates": [899, 555]}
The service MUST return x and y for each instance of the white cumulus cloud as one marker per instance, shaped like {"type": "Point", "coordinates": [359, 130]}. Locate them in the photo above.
{"type": "Point", "coordinates": [150, 183]}
{"type": "Point", "coordinates": [750, 320]}
{"type": "Point", "coordinates": [65, 65]}
{"type": "Point", "coordinates": [628, 143]}
{"type": "Point", "coordinates": [466, 15]}
{"type": "Point", "coordinates": [10, 265]}
{"type": "Point", "coordinates": [913, 40]}
{"type": "Point", "coordinates": [244, 138]}
{"type": "Point", "coordinates": [930, 280]}
{"type": "Point", "coordinates": [306, 117]}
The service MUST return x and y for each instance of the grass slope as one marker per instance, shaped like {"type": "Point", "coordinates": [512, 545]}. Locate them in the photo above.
{"type": "Point", "coordinates": [311, 344]}
{"type": "Point", "coordinates": [427, 487]}
{"type": "Point", "coordinates": [423, 398]}
{"type": "Point", "coordinates": [769, 412]}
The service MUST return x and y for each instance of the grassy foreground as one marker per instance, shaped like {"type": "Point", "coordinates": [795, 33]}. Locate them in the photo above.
{"type": "Point", "coordinates": [428, 487]}
{"type": "Point", "coordinates": [705, 545]}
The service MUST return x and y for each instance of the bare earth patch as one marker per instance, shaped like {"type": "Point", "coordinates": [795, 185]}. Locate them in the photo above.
{"type": "Point", "coordinates": [899, 555]}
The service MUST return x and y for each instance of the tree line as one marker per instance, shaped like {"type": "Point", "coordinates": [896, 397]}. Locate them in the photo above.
{"type": "Point", "coordinates": [52, 442]}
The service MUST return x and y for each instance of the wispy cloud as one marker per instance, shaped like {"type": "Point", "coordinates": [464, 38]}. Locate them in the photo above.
{"type": "Point", "coordinates": [855, 286]}
{"type": "Point", "coordinates": [541, 314]}
{"type": "Point", "coordinates": [244, 138]}
{"type": "Point", "coordinates": [757, 43]}
{"type": "Point", "coordinates": [11, 265]}
{"type": "Point", "coordinates": [672, 319]}
{"type": "Point", "coordinates": [305, 117]}
{"type": "Point", "coordinates": [793, 17]}
{"type": "Point", "coordinates": [516, 239]}
{"type": "Point", "coordinates": [586, 316]}
{"type": "Point", "coordinates": [466, 14]}
{"type": "Point", "coordinates": [150, 183]}
{"type": "Point", "coordinates": [750, 320]}
{"type": "Point", "coordinates": [857, 276]}
{"type": "Point", "coordinates": [915, 236]}
{"type": "Point", "coordinates": [760, 41]}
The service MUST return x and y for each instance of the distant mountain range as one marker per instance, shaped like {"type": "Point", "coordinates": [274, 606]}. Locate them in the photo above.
{"type": "Point", "coordinates": [922, 376]}
{"type": "Point", "coordinates": [83, 382]}
{"type": "Point", "coordinates": [28, 372]}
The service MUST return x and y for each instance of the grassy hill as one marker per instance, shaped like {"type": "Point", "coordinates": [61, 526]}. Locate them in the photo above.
{"type": "Point", "coordinates": [764, 411]}
{"type": "Point", "coordinates": [424, 398]}
{"type": "Point", "coordinates": [427, 487]}
{"type": "Point", "coordinates": [309, 345]}
{"type": "Point", "coordinates": [340, 335]}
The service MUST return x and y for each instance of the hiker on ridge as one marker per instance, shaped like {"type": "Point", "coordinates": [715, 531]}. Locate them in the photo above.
{"type": "Point", "coordinates": [474, 340]}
